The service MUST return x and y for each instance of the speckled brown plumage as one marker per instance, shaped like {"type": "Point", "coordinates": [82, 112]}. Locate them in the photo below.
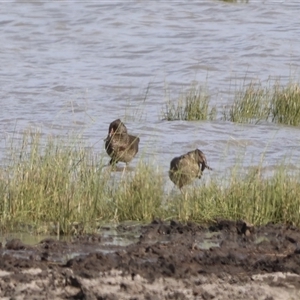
{"type": "Point", "coordinates": [120, 145]}
{"type": "Point", "coordinates": [187, 167]}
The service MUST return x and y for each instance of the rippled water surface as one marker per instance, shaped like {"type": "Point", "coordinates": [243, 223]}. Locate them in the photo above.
{"type": "Point", "coordinates": [76, 66]}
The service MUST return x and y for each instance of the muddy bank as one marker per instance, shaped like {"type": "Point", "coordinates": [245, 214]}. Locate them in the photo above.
{"type": "Point", "coordinates": [166, 260]}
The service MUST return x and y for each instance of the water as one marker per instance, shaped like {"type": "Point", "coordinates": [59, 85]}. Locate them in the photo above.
{"type": "Point", "coordinates": [111, 240]}
{"type": "Point", "coordinates": [76, 66]}
{"type": "Point", "coordinates": [25, 237]}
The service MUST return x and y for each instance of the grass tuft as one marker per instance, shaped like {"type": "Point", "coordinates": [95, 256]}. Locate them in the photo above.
{"type": "Point", "coordinates": [140, 194]}
{"type": "Point", "coordinates": [191, 106]}
{"type": "Point", "coordinates": [251, 105]}
{"type": "Point", "coordinates": [285, 104]}
{"type": "Point", "coordinates": [54, 182]}
{"type": "Point", "coordinates": [252, 197]}
{"type": "Point", "coordinates": [275, 103]}
{"type": "Point", "coordinates": [64, 185]}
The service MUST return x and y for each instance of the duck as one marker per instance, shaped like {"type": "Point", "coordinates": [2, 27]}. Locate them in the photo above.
{"type": "Point", "coordinates": [187, 167]}
{"type": "Point", "coordinates": [119, 145]}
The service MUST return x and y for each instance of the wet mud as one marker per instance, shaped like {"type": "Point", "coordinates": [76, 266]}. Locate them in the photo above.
{"type": "Point", "coordinates": [165, 260]}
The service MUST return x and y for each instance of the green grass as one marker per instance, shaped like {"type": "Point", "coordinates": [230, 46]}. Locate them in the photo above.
{"type": "Point", "coordinates": [285, 104]}
{"type": "Point", "coordinates": [192, 105]}
{"type": "Point", "coordinates": [274, 103]}
{"type": "Point", "coordinates": [250, 105]}
{"type": "Point", "coordinates": [139, 194]}
{"type": "Point", "coordinates": [56, 185]}
{"type": "Point", "coordinates": [63, 183]}
{"type": "Point", "coordinates": [252, 197]}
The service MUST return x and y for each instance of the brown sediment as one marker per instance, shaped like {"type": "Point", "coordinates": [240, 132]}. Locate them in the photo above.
{"type": "Point", "coordinates": [169, 260]}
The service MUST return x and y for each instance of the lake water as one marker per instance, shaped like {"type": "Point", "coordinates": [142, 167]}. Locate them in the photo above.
{"type": "Point", "coordinates": [76, 66]}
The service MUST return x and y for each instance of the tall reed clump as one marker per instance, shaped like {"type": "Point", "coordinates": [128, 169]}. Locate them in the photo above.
{"type": "Point", "coordinates": [251, 105]}
{"type": "Point", "coordinates": [62, 183]}
{"type": "Point", "coordinates": [285, 104]}
{"type": "Point", "coordinates": [275, 103]}
{"type": "Point", "coordinates": [53, 181]}
{"type": "Point", "coordinates": [251, 197]}
{"type": "Point", "coordinates": [191, 106]}
{"type": "Point", "coordinates": [139, 195]}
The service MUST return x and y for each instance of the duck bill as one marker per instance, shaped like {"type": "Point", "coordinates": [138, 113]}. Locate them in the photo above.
{"type": "Point", "coordinates": [110, 134]}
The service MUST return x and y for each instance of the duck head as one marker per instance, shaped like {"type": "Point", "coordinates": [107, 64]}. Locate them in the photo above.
{"type": "Point", "coordinates": [201, 159]}
{"type": "Point", "coordinates": [116, 127]}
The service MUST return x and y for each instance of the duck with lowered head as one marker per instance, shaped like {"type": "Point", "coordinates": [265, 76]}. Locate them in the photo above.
{"type": "Point", "coordinates": [187, 167]}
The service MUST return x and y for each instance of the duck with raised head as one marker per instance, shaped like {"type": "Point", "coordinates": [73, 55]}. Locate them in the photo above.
{"type": "Point", "coordinates": [187, 167]}
{"type": "Point", "coordinates": [120, 145]}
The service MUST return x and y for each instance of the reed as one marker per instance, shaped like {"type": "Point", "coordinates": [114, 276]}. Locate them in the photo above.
{"type": "Point", "coordinates": [251, 197]}
{"type": "Point", "coordinates": [139, 195]}
{"type": "Point", "coordinates": [285, 104]}
{"type": "Point", "coordinates": [251, 104]}
{"type": "Point", "coordinates": [273, 102]}
{"type": "Point", "coordinates": [192, 105]}
{"type": "Point", "coordinates": [64, 185]}
{"type": "Point", "coordinates": [52, 181]}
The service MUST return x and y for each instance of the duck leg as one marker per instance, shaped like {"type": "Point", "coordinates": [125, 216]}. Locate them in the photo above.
{"type": "Point", "coordinates": [113, 162]}
{"type": "Point", "coordinates": [183, 203]}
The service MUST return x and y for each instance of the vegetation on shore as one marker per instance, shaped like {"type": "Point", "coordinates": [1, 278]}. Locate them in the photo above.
{"type": "Point", "coordinates": [68, 188]}
{"type": "Point", "coordinates": [62, 186]}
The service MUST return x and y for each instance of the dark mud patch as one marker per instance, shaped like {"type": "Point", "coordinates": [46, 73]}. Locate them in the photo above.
{"type": "Point", "coordinates": [169, 260]}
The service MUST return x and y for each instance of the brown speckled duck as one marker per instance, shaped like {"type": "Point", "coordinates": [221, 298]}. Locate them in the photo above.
{"type": "Point", "coordinates": [185, 168]}
{"type": "Point", "coordinates": [119, 145]}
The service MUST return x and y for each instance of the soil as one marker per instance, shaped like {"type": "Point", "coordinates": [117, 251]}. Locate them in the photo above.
{"type": "Point", "coordinates": [166, 260]}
